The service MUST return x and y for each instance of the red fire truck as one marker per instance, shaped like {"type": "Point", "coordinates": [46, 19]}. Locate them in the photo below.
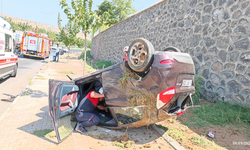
{"type": "Point", "coordinates": [35, 45]}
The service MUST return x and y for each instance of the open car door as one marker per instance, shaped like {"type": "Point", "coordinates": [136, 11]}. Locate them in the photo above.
{"type": "Point", "coordinates": [63, 100]}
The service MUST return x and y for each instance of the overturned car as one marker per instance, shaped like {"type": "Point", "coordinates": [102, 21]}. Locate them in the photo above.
{"type": "Point", "coordinates": [149, 87]}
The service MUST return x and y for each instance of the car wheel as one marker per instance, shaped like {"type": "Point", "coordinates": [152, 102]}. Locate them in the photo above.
{"type": "Point", "coordinates": [172, 49]}
{"type": "Point", "coordinates": [140, 55]}
{"type": "Point", "coordinates": [14, 73]}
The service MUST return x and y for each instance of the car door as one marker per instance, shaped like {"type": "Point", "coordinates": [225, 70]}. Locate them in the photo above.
{"type": "Point", "coordinates": [63, 100]}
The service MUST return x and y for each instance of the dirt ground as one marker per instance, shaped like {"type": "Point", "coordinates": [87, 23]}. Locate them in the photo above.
{"type": "Point", "coordinates": [102, 138]}
{"type": "Point", "coordinates": [229, 137]}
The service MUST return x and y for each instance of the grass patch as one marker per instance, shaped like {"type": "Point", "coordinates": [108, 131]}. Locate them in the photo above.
{"type": "Point", "coordinates": [41, 78]}
{"type": "Point", "coordinates": [177, 135]}
{"type": "Point", "coordinates": [201, 141]}
{"type": "Point", "coordinates": [27, 91]}
{"type": "Point", "coordinates": [183, 135]}
{"type": "Point", "coordinates": [67, 72]}
{"type": "Point", "coordinates": [30, 80]}
{"type": "Point", "coordinates": [220, 113]}
{"type": "Point", "coordinates": [198, 84]}
{"type": "Point", "coordinates": [95, 64]}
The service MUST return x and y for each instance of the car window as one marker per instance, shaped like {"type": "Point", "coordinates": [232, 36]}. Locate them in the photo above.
{"type": "Point", "coordinates": [8, 43]}
{"type": "Point", "coordinates": [2, 42]}
{"type": "Point", "coordinates": [127, 115]}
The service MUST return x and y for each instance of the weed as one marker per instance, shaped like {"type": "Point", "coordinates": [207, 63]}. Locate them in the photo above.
{"type": "Point", "coordinates": [30, 80]}
{"type": "Point", "coordinates": [41, 78]}
{"type": "Point", "coordinates": [66, 72]}
{"type": "Point", "coordinates": [220, 113]}
{"type": "Point", "coordinates": [201, 141]}
{"type": "Point", "coordinates": [198, 84]}
{"type": "Point", "coordinates": [184, 128]}
{"type": "Point", "coordinates": [95, 64]}
{"type": "Point", "coordinates": [176, 134]}
{"type": "Point", "coordinates": [125, 79]}
{"type": "Point", "coordinates": [123, 144]}
{"type": "Point", "coordinates": [162, 127]}
{"type": "Point", "coordinates": [27, 91]}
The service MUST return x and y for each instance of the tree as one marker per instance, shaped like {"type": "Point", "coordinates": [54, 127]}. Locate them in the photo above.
{"type": "Point", "coordinates": [115, 11]}
{"type": "Point", "coordinates": [83, 15]}
{"type": "Point", "coordinates": [52, 36]}
{"type": "Point", "coordinates": [68, 33]}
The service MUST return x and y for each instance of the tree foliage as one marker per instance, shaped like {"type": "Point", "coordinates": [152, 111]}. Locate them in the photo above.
{"type": "Point", "coordinates": [68, 33]}
{"type": "Point", "coordinates": [81, 13]}
{"type": "Point", "coordinates": [114, 11]}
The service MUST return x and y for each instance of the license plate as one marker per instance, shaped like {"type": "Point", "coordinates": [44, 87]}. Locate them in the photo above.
{"type": "Point", "coordinates": [186, 82]}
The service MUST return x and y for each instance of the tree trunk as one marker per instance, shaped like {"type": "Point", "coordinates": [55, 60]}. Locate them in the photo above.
{"type": "Point", "coordinates": [84, 55]}
{"type": "Point", "coordinates": [68, 54]}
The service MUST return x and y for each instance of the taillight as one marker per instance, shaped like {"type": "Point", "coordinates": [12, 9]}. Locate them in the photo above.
{"type": "Point", "coordinates": [166, 62]}
{"type": "Point", "coordinates": [164, 97]}
{"type": "Point", "coordinates": [168, 59]}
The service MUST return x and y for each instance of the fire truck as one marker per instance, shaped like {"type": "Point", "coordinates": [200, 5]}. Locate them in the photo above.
{"type": "Point", "coordinates": [35, 45]}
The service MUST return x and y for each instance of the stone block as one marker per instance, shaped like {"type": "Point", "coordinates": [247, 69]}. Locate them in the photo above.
{"type": "Point", "coordinates": [227, 74]}
{"type": "Point", "coordinates": [219, 13]}
{"type": "Point", "coordinates": [233, 87]}
{"type": "Point", "coordinates": [206, 19]}
{"type": "Point", "coordinates": [210, 86]}
{"type": "Point", "coordinates": [215, 78]}
{"type": "Point", "coordinates": [243, 80]}
{"type": "Point", "coordinates": [230, 2]}
{"type": "Point", "coordinates": [226, 15]}
{"type": "Point", "coordinates": [240, 30]}
{"type": "Point", "coordinates": [209, 42]}
{"type": "Point", "coordinates": [221, 2]}
{"type": "Point", "coordinates": [237, 14]}
{"type": "Point", "coordinates": [194, 41]}
{"type": "Point", "coordinates": [242, 44]}
{"type": "Point", "coordinates": [193, 3]}
{"type": "Point", "coordinates": [229, 66]}
{"type": "Point", "coordinates": [244, 5]}
{"type": "Point", "coordinates": [234, 56]}
{"type": "Point", "coordinates": [221, 92]}
{"type": "Point", "coordinates": [213, 50]}
{"type": "Point", "coordinates": [240, 68]}
{"type": "Point", "coordinates": [205, 73]}
{"type": "Point", "coordinates": [235, 7]}
{"type": "Point", "coordinates": [216, 32]}
{"type": "Point", "coordinates": [217, 66]}
{"type": "Point", "coordinates": [207, 9]}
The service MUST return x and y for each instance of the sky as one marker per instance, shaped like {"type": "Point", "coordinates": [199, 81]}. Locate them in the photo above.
{"type": "Point", "coordinates": [46, 11]}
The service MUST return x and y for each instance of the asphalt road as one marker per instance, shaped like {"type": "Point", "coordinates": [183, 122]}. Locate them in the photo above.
{"type": "Point", "coordinates": [12, 87]}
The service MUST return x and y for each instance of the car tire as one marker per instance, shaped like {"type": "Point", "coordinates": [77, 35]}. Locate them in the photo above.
{"type": "Point", "coordinates": [172, 49]}
{"type": "Point", "coordinates": [140, 55]}
{"type": "Point", "coordinates": [14, 73]}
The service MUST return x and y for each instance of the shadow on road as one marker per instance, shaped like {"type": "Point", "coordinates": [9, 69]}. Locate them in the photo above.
{"type": "Point", "coordinates": [3, 80]}
{"type": "Point", "coordinates": [33, 93]}
{"type": "Point", "coordinates": [11, 99]}
{"type": "Point", "coordinates": [42, 127]}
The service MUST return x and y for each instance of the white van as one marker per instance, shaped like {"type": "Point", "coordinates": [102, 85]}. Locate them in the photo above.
{"type": "Point", "coordinates": [8, 61]}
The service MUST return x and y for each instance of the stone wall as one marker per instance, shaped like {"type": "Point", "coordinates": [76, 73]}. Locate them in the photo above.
{"type": "Point", "coordinates": [215, 32]}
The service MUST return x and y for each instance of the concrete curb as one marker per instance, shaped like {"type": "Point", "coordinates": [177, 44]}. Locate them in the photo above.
{"type": "Point", "coordinates": [14, 101]}
{"type": "Point", "coordinates": [170, 140]}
